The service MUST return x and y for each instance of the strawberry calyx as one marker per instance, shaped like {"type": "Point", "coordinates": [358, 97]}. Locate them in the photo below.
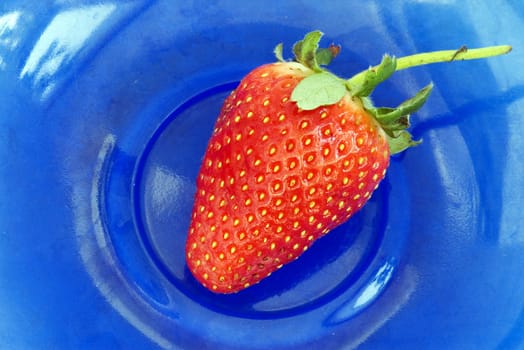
{"type": "Point", "coordinates": [323, 88]}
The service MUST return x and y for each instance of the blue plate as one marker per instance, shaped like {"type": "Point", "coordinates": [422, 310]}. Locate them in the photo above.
{"type": "Point", "coordinates": [105, 112]}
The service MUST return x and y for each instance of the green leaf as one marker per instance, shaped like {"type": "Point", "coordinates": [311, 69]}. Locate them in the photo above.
{"type": "Point", "coordinates": [324, 57]}
{"type": "Point", "coordinates": [278, 52]}
{"type": "Point", "coordinates": [367, 103]}
{"type": "Point", "coordinates": [407, 107]}
{"type": "Point", "coordinates": [401, 141]}
{"type": "Point", "coordinates": [320, 89]}
{"type": "Point", "coordinates": [383, 110]}
{"type": "Point", "coordinates": [364, 83]}
{"type": "Point", "coordinates": [305, 50]}
{"type": "Point", "coordinates": [400, 124]}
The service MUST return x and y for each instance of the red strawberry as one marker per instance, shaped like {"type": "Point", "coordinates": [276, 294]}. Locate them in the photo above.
{"type": "Point", "coordinates": [295, 152]}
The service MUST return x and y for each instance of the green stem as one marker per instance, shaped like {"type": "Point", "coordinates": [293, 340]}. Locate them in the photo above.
{"type": "Point", "coordinates": [451, 55]}
{"type": "Point", "coordinates": [438, 56]}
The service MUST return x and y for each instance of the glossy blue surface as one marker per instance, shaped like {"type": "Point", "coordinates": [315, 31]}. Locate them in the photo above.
{"type": "Point", "coordinates": [105, 111]}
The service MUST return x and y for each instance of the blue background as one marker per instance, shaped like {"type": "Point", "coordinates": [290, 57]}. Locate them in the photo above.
{"type": "Point", "coordinates": [105, 110]}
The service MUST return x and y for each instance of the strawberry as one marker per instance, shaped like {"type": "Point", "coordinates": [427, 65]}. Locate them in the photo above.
{"type": "Point", "coordinates": [295, 152]}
